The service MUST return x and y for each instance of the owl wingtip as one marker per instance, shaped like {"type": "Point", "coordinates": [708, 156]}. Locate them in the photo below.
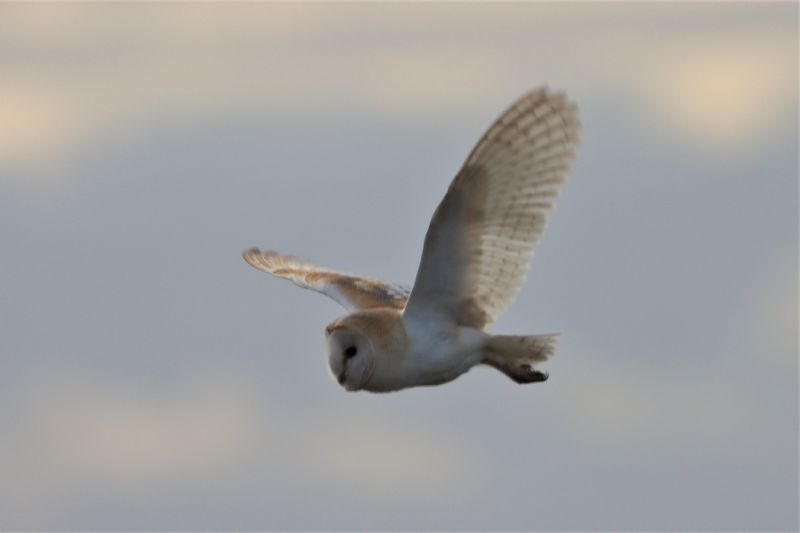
{"type": "Point", "coordinates": [250, 251]}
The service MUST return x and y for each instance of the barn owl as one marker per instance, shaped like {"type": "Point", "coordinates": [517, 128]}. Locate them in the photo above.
{"type": "Point", "coordinates": [474, 260]}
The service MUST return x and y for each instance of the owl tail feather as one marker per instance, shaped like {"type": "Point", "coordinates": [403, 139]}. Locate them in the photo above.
{"type": "Point", "coordinates": [516, 355]}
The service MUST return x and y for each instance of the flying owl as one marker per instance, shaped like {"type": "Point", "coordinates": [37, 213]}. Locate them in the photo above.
{"type": "Point", "coordinates": [475, 258]}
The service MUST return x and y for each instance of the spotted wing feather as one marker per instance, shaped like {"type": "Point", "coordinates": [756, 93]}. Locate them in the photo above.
{"type": "Point", "coordinates": [351, 291]}
{"type": "Point", "coordinates": [482, 236]}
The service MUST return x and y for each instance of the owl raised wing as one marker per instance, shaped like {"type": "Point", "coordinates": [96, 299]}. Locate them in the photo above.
{"type": "Point", "coordinates": [353, 292]}
{"type": "Point", "coordinates": [482, 235]}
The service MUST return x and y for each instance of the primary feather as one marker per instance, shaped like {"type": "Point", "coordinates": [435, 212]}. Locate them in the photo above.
{"type": "Point", "coordinates": [352, 291]}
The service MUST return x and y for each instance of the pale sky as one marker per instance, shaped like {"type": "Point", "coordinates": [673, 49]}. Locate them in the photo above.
{"type": "Point", "coordinates": [151, 380]}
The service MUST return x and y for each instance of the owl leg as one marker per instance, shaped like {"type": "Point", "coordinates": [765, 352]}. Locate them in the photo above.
{"type": "Point", "coordinates": [521, 374]}
{"type": "Point", "coordinates": [515, 356]}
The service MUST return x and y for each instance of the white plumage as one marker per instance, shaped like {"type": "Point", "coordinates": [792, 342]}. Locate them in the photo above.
{"type": "Point", "coordinates": [476, 256]}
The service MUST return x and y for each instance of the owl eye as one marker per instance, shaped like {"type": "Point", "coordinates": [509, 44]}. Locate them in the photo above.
{"type": "Point", "coordinates": [350, 352]}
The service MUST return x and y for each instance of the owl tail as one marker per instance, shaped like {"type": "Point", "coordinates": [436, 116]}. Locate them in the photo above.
{"type": "Point", "coordinates": [516, 355]}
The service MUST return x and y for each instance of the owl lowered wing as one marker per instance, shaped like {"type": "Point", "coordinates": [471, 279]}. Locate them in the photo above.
{"type": "Point", "coordinates": [482, 235]}
{"type": "Point", "coordinates": [353, 292]}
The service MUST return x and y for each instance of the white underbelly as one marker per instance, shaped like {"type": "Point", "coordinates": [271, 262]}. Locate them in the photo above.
{"type": "Point", "coordinates": [441, 360]}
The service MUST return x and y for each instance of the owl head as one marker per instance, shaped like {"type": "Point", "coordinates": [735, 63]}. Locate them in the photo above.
{"type": "Point", "coordinates": [366, 349]}
{"type": "Point", "coordinates": [351, 355]}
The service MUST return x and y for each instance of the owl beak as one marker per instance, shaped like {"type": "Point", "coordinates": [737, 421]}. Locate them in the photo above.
{"type": "Point", "coordinates": [341, 377]}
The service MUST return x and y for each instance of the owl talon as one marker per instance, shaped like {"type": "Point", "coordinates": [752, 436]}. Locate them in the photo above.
{"type": "Point", "coordinates": [538, 376]}
{"type": "Point", "coordinates": [528, 374]}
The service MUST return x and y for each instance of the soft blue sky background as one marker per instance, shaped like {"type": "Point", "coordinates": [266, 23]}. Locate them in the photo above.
{"type": "Point", "coordinates": [150, 379]}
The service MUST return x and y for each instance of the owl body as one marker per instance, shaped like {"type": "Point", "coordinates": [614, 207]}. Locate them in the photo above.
{"type": "Point", "coordinates": [474, 260]}
{"type": "Point", "coordinates": [440, 355]}
{"type": "Point", "coordinates": [437, 356]}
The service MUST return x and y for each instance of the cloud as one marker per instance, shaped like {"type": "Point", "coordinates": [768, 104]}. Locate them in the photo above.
{"type": "Point", "coordinates": [80, 430]}
{"type": "Point", "coordinates": [33, 121]}
{"type": "Point", "coordinates": [619, 404]}
{"type": "Point", "coordinates": [69, 435]}
{"type": "Point", "coordinates": [123, 437]}
{"type": "Point", "coordinates": [723, 94]}
{"type": "Point", "coordinates": [76, 73]}
{"type": "Point", "coordinates": [388, 457]}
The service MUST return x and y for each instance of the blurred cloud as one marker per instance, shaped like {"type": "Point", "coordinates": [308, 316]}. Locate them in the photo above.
{"type": "Point", "coordinates": [33, 123]}
{"type": "Point", "coordinates": [389, 457]}
{"type": "Point", "coordinates": [627, 405]}
{"type": "Point", "coordinates": [85, 431]}
{"type": "Point", "coordinates": [724, 90]}
{"type": "Point", "coordinates": [725, 95]}
{"type": "Point", "coordinates": [127, 437]}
